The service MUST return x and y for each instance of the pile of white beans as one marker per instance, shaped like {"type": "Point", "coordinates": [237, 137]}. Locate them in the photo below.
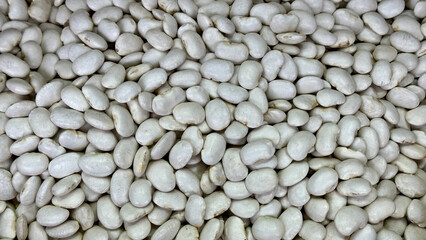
{"type": "Point", "coordinates": [212, 119]}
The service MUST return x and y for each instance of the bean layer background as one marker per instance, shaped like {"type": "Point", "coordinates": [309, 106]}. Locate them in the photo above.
{"type": "Point", "coordinates": [203, 119]}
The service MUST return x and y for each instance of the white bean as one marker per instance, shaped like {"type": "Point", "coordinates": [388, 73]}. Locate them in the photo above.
{"type": "Point", "coordinates": [97, 164]}
{"type": "Point", "coordinates": [216, 203]}
{"type": "Point", "coordinates": [88, 63]}
{"type": "Point", "coordinates": [273, 226]}
{"type": "Point", "coordinates": [161, 175]}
